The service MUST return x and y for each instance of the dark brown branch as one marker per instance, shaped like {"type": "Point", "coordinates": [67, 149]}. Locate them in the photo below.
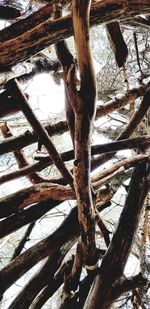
{"type": "Point", "coordinates": [23, 241]}
{"type": "Point", "coordinates": [34, 194]}
{"type": "Point", "coordinates": [128, 284]}
{"type": "Point", "coordinates": [117, 43]}
{"type": "Point", "coordinates": [139, 142]}
{"type": "Point", "coordinates": [129, 129]}
{"type": "Point", "coordinates": [41, 278]}
{"type": "Point", "coordinates": [25, 216]}
{"type": "Point", "coordinates": [137, 53]}
{"type": "Point", "coordinates": [66, 233]}
{"type": "Point", "coordinates": [32, 39]}
{"type": "Point", "coordinates": [28, 138]}
{"type": "Point", "coordinates": [34, 212]}
{"type": "Point", "coordinates": [52, 286]}
{"type": "Point", "coordinates": [40, 130]}
{"type": "Point", "coordinates": [105, 232]}
{"type": "Point", "coordinates": [8, 12]}
{"type": "Point", "coordinates": [114, 261]}
{"type": "Point", "coordinates": [107, 175]}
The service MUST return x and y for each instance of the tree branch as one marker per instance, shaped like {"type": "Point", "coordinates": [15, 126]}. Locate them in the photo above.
{"type": "Point", "coordinates": [40, 130]}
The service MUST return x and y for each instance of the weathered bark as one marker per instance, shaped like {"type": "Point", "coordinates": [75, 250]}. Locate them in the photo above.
{"type": "Point", "coordinates": [29, 137]}
{"type": "Point", "coordinates": [114, 261]}
{"type": "Point", "coordinates": [105, 232]}
{"type": "Point", "coordinates": [34, 212]}
{"type": "Point", "coordinates": [8, 12]}
{"type": "Point", "coordinates": [37, 193]}
{"type": "Point", "coordinates": [30, 40]}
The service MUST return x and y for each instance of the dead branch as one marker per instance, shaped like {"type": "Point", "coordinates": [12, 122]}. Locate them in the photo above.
{"type": "Point", "coordinates": [117, 43]}
{"type": "Point", "coordinates": [52, 286]}
{"type": "Point", "coordinates": [23, 241]}
{"type": "Point", "coordinates": [83, 104]}
{"type": "Point", "coordinates": [37, 193]}
{"type": "Point", "coordinates": [128, 284]}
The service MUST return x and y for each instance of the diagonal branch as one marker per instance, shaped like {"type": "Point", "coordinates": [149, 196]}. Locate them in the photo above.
{"type": "Point", "coordinates": [40, 130]}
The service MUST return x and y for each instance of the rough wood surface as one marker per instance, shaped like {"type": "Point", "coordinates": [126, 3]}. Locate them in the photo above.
{"type": "Point", "coordinates": [31, 40]}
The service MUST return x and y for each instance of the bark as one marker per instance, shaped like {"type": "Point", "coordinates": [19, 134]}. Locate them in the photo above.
{"type": "Point", "coordinates": [8, 12]}
{"type": "Point", "coordinates": [29, 40]}
{"type": "Point", "coordinates": [34, 194]}
{"type": "Point", "coordinates": [113, 264]}
{"type": "Point", "coordinates": [29, 137]}
{"type": "Point", "coordinates": [34, 212]}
